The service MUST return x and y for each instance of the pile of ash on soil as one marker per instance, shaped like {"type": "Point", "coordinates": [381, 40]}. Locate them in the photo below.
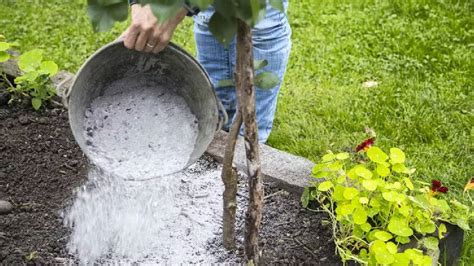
{"type": "Point", "coordinates": [164, 220]}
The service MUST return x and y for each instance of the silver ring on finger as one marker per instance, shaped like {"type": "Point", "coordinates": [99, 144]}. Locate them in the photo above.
{"type": "Point", "coordinates": [150, 45]}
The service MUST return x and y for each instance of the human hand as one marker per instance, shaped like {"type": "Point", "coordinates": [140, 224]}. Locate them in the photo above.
{"type": "Point", "coordinates": [146, 34]}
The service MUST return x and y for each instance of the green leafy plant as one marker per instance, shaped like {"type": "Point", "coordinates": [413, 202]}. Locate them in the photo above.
{"type": "Point", "coordinates": [35, 79]}
{"type": "Point", "coordinates": [379, 215]}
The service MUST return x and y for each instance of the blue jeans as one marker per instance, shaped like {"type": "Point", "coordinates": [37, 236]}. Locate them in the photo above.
{"type": "Point", "coordinates": [271, 41]}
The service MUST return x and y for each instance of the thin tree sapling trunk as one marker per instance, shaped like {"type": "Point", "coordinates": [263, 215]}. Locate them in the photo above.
{"type": "Point", "coordinates": [229, 177]}
{"type": "Point", "coordinates": [246, 96]}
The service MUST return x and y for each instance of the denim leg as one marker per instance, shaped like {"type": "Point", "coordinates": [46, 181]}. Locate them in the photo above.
{"type": "Point", "coordinates": [271, 41]}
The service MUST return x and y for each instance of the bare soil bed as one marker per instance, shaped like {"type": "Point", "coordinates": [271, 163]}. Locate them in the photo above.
{"type": "Point", "coordinates": [40, 166]}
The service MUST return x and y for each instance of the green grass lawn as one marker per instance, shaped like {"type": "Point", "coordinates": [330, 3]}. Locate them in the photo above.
{"type": "Point", "coordinates": [420, 53]}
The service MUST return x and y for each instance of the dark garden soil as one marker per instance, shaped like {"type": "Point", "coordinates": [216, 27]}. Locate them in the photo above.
{"type": "Point", "coordinates": [41, 165]}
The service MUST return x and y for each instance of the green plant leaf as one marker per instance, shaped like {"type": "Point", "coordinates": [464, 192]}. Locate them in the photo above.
{"type": "Point", "coordinates": [382, 255]}
{"type": "Point", "coordinates": [49, 68]}
{"type": "Point", "coordinates": [277, 4]}
{"type": "Point", "coordinates": [225, 83]}
{"type": "Point", "coordinates": [328, 157]}
{"type": "Point", "coordinates": [104, 15]}
{"type": "Point", "coordinates": [363, 200]}
{"type": "Point", "coordinates": [442, 230]}
{"type": "Point", "coordinates": [376, 155]}
{"type": "Point", "coordinates": [463, 224]}
{"type": "Point", "coordinates": [321, 174]}
{"type": "Point", "coordinates": [342, 156]}
{"type": "Point", "coordinates": [325, 186]}
{"type": "Point", "coordinates": [259, 64]}
{"type": "Point", "coordinates": [408, 183]}
{"type": "Point", "coordinates": [404, 210]}
{"type": "Point", "coordinates": [36, 103]}
{"type": "Point", "coordinates": [223, 28]}
{"type": "Point", "coordinates": [350, 193]}
{"type": "Point", "coordinates": [383, 235]}
{"type": "Point", "coordinates": [335, 166]}
{"type": "Point", "coordinates": [390, 196]}
{"type": "Point", "coordinates": [431, 243]}
{"type": "Point", "coordinates": [402, 239]}
{"type": "Point", "coordinates": [305, 197]}
{"type": "Point", "coordinates": [4, 56]}
{"type": "Point", "coordinates": [398, 226]}
{"type": "Point", "coordinates": [202, 4]}
{"type": "Point", "coordinates": [266, 80]}
{"type": "Point", "coordinates": [391, 247]}
{"type": "Point", "coordinates": [397, 156]}
{"type": "Point", "coordinates": [400, 168]}
{"type": "Point", "coordinates": [366, 227]}
{"type": "Point", "coordinates": [370, 185]}
{"type": "Point", "coordinates": [338, 193]}
{"type": "Point", "coordinates": [250, 11]}
{"type": "Point", "coordinates": [360, 216]}
{"type": "Point", "coordinates": [30, 60]}
{"type": "Point", "coordinates": [346, 209]}
{"type": "Point", "coordinates": [382, 170]}
{"type": "Point", "coordinates": [426, 227]}
{"type": "Point", "coordinates": [363, 172]}
{"type": "Point", "coordinates": [4, 46]}
{"type": "Point", "coordinates": [164, 9]}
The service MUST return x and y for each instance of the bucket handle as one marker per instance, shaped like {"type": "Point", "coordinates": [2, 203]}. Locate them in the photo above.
{"type": "Point", "coordinates": [223, 117]}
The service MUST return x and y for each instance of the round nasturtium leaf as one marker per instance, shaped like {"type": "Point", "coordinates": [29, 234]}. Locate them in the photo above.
{"type": "Point", "coordinates": [49, 68]}
{"type": "Point", "coordinates": [402, 239]}
{"type": "Point", "coordinates": [382, 170]}
{"type": "Point", "coordinates": [376, 155]}
{"type": "Point", "coordinates": [321, 174]}
{"type": "Point", "coordinates": [390, 196]}
{"type": "Point", "coordinates": [342, 156]}
{"type": "Point", "coordinates": [350, 193]}
{"type": "Point", "coordinates": [338, 192]}
{"type": "Point", "coordinates": [391, 247]}
{"type": "Point", "coordinates": [30, 60]}
{"type": "Point", "coordinates": [370, 184]}
{"type": "Point", "coordinates": [384, 258]}
{"type": "Point", "coordinates": [377, 246]}
{"type": "Point", "coordinates": [363, 200]}
{"type": "Point", "coordinates": [325, 186]}
{"type": "Point", "coordinates": [346, 209]}
{"type": "Point", "coordinates": [397, 156]}
{"type": "Point", "coordinates": [318, 168]}
{"type": "Point", "coordinates": [383, 235]}
{"type": "Point", "coordinates": [442, 230]}
{"type": "Point", "coordinates": [360, 216]}
{"type": "Point", "coordinates": [431, 243]}
{"type": "Point", "coordinates": [400, 168]}
{"type": "Point", "coordinates": [427, 227]}
{"type": "Point", "coordinates": [329, 157]}
{"type": "Point", "coordinates": [408, 183]}
{"type": "Point", "coordinates": [363, 172]}
{"type": "Point", "coordinates": [366, 227]}
{"type": "Point", "coordinates": [401, 259]}
{"type": "Point", "coordinates": [404, 210]}
{"type": "Point", "coordinates": [4, 56]}
{"type": "Point", "coordinates": [399, 227]}
{"type": "Point", "coordinates": [4, 46]}
{"type": "Point", "coordinates": [335, 166]}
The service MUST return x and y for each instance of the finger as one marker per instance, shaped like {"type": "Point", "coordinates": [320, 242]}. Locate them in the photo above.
{"type": "Point", "coordinates": [143, 37]}
{"type": "Point", "coordinates": [130, 38]}
{"type": "Point", "coordinates": [162, 43]}
{"type": "Point", "coordinates": [122, 36]}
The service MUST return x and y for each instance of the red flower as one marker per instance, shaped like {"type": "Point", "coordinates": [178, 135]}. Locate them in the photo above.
{"type": "Point", "coordinates": [436, 186]}
{"type": "Point", "coordinates": [443, 189]}
{"type": "Point", "coordinates": [365, 145]}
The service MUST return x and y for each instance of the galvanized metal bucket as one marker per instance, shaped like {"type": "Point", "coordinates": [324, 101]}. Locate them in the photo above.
{"type": "Point", "coordinates": [114, 61]}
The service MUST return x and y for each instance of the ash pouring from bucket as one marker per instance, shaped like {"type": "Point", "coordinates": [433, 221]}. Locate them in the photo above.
{"type": "Point", "coordinates": [130, 210]}
{"type": "Point", "coordinates": [138, 129]}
